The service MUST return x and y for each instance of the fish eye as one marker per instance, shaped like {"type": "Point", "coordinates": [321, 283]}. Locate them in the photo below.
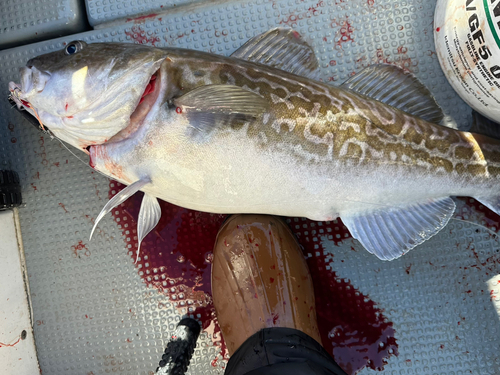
{"type": "Point", "coordinates": [74, 47]}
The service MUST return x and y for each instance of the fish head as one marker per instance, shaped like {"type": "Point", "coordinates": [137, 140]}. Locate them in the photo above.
{"type": "Point", "coordinates": [86, 93]}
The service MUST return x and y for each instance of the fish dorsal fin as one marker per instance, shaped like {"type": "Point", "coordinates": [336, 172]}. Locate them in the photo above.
{"type": "Point", "coordinates": [397, 88]}
{"type": "Point", "coordinates": [213, 106]}
{"type": "Point", "coordinates": [392, 232]}
{"type": "Point", "coordinates": [149, 216]}
{"type": "Point", "coordinates": [281, 48]}
{"type": "Point", "coordinates": [484, 126]}
{"type": "Point", "coordinates": [118, 199]}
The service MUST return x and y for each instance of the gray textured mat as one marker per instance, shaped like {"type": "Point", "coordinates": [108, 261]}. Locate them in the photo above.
{"type": "Point", "coordinates": [98, 313]}
{"type": "Point", "coordinates": [103, 11]}
{"type": "Point", "coordinates": [25, 21]}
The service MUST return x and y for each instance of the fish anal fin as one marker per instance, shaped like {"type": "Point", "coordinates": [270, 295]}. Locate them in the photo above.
{"type": "Point", "coordinates": [397, 88]}
{"type": "Point", "coordinates": [392, 232]}
{"type": "Point", "coordinates": [281, 48]}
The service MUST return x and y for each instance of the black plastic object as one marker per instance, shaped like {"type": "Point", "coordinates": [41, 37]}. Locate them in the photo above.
{"type": "Point", "coordinates": [180, 348]}
{"type": "Point", "coordinates": [10, 190]}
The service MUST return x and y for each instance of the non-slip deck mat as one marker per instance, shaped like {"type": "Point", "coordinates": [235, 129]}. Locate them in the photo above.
{"type": "Point", "coordinates": [101, 12]}
{"type": "Point", "coordinates": [27, 21]}
{"type": "Point", "coordinates": [98, 313]}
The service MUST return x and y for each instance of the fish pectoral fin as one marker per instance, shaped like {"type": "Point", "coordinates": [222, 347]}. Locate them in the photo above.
{"type": "Point", "coordinates": [397, 88]}
{"type": "Point", "coordinates": [211, 106]}
{"type": "Point", "coordinates": [391, 233]}
{"type": "Point", "coordinates": [281, 48]}
{"type": "Point", "coordinates": [493, 203]}
{"type": "Point", "coordinates": [149, 216]}
{"type": "Point", "coordinates": [119, 198]}
{"type": "Point", "coordinates": [225, 99]}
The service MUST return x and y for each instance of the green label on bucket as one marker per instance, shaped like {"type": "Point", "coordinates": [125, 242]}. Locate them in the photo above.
{"type": "Point", "coordinates": [492, 11]}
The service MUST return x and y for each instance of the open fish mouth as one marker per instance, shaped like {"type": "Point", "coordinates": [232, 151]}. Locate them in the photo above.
{"type": "Point", "coordinates": [16, 94]}
{"type": "Point", "coordinates": [23, 106]}
{"type": "Point", "coordinates": [32, 81]}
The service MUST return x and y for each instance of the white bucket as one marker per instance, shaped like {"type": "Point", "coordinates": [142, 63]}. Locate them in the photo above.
{"type": "Point", "coordinates": [467, 37]}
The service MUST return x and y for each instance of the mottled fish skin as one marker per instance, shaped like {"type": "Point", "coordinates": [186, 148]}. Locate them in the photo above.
{"type": "Point", "coordinates": [319, 151]}
{"type": "Point", "coordinates": [334, 124]}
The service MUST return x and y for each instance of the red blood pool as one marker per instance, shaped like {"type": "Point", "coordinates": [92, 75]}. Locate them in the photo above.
{"type": "Point", "coordinates": [180, 234]}
{"type": "Point", "coordinates": [353, 329]}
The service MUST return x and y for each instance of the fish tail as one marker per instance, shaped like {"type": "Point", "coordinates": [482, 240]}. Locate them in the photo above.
{"type": "Point", "coordinates": [489, 150]}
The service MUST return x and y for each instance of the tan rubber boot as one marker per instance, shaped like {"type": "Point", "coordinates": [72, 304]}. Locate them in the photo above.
{"type": "Point", "coordinates": [260, 279]}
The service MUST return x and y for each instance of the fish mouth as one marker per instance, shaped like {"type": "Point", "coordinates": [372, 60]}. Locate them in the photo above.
{"type": "Point", "coordinates": [33, 81]}
{"type": "Point", "coordinates": [18, 97]}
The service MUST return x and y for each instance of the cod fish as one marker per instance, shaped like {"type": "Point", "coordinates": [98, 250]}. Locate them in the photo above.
{"type": "Point", "coordinates": [257, 132]}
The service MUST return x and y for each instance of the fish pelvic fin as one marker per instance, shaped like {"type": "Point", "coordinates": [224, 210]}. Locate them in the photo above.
{"type": "Point", "coordinates": [281, 48]}
{"type": "Point", "coordinates": [149, 216]}
{"type": "Point", "coordinates": [393, 86]}
{"type": "Point", "coordinates": [391, 233]}
{"type": "Point", "coordinates": [118, 199]}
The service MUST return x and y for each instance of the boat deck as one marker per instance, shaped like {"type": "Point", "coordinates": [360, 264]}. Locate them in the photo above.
{"type": "Point", "coordinates": [436, 310]}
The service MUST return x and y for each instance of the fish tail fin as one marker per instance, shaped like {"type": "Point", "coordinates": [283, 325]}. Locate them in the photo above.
{"type": "Point", "coordinates": [487, 152]}
{"type": "Point", "coordinates": [490, 152]}
{"type": "Point", "coordinates": [486, 134]}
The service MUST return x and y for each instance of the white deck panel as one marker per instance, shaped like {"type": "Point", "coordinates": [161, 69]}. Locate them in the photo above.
{"type": "Point", "coordinates": [17, 342]}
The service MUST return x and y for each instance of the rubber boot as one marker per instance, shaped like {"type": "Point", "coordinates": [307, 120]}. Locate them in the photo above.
{"type": "Point", "coordinates": [260, 279]}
